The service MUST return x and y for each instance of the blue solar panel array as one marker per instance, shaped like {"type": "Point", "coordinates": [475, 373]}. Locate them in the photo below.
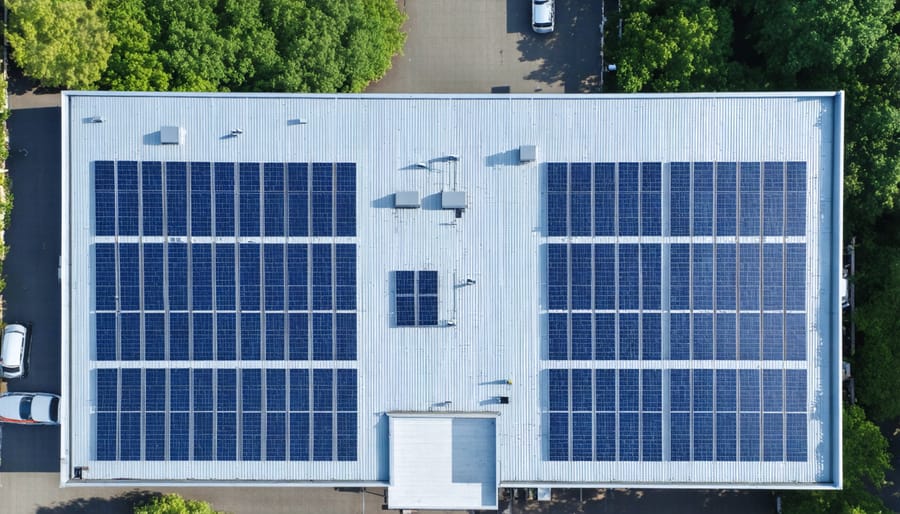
{"type": "Point", "coordinates": [182, 414]}
{"type": "Point", "coordinates": [712, 269]}
{"type": "Point", "coordinates": [168, 287]}
{"type": "Point", "coordinates": [224, 199]}
{"type": "Point", "coordinates": [416, 298]}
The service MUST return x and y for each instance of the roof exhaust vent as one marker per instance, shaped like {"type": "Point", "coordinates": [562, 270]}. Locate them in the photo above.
{"type": "Point", "coordinates": [171, 135]}
{"type": "Point", "coordinates": [406, 200]}
{"type": "Point", "coordinates": [527, 153]}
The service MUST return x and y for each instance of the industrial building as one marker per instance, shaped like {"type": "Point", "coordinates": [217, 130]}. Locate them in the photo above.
{"type": "Point", "coordinates": [445, 295]}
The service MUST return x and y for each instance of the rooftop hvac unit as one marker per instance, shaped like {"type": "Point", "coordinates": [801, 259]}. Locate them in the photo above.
{"type": "Point", "coordinates": [171, 135]}
{"type": "Point", "coordinates": [406, 200]}
{"type": "Point", "coordinates": [527, 153]}
{"type": "Point", "coordinates": [453, 199]}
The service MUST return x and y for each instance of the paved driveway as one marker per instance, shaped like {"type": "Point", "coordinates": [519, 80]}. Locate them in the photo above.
{"type": "Point", "coordinates": [483, 46]}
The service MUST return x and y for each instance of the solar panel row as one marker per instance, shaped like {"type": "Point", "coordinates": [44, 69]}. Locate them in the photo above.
{"type": "Point", "coordinates": [723, 199]}
{"type": "Point", "coordinates": [176, 299]}
{"type": "Point", "coordinates": [153, 198]}
{"type": "Point", "coordinates": [272, 275]}
{"type": "Point", "coordinates": [196, 336]}
{"type": "Point", "coordinates": [226, 414]}
{"type": "Point", "coordinates": [725, 277]}
{"type": "Point", "coordinates": [715, 415]}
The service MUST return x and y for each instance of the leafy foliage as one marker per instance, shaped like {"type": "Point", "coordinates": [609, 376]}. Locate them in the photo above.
{"type": "Point", "coordinates": [353, 43]}
{"type": "Point", "coordinates": [174, 504]}
{"type": "Point", "coordinates": [673, 46]}
{"type": "Point", "coordinates": [865, 461]}
{"type": "Point", "coordinates": [59, 42]}
{"type": "Point", "coordinates": [133, 65]}
{"type": "Point", "coordinates": [878, 358]}
{"type": "Point", "coordinates": [216, 45]}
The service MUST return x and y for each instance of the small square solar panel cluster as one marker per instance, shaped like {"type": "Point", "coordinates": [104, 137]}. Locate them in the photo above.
{"type": "Point", "coordinates": [416, 298]}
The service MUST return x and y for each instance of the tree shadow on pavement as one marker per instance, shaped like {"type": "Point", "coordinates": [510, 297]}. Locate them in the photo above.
{"type": "Point", "coordinates": [19, 84]}
{"type": "Point", "coordinates": [121, 504]}
{"type": "Point", "coordinates": [571, 54]}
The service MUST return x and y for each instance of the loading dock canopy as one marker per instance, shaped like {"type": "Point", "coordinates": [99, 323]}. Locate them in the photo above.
{"type": "Point", "coordinates": [443, 461]}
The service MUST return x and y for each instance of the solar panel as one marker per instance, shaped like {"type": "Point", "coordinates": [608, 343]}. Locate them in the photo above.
{"type": "Point", "coordinates": [151, 198]}
{"type": "Point", "coordinates": [604, 199]}
{"type": "Point", "coordinates": [127, 204]}
{"type": "Point", "coordinates": [105, 198]}
{"type": "Point", "coordinates": [702, 199]}
{"type": "Point", "coordinates": [155, 436]}
{"type": "Point", "coordinates": [248, 190]}
{"type": "Point", "coordinates": [223, 180]}
{"type": "Point", "coordinates": [582, 436]}
{"type": "Point", "coordinates": [201, 199]}
{"type": "Point", "coordinates": [628, 198]}
{"type": "Point", "coordinates": [749, 213]}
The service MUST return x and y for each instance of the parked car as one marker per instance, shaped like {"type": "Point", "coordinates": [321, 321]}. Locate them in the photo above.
{"type": "Point", "coordinates": [14, 351]}
{"type": "Point", "coordinates": [29, 408]}
{"type": "Point", "coordinates": [542, 16]}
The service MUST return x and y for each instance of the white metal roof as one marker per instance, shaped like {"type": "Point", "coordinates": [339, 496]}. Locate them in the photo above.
{"type": "Point", "coordinates": [494, 348]}
{"type": "Point", "coordinates": [443, 462]}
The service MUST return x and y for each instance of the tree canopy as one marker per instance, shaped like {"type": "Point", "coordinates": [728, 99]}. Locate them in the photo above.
{"type": "Point", "coordinates": [59, 42]}
{"type": "Point", "coordinates": [208, 45]}
{"type": "Point", "coordinates": [673, 46]}
{"type": "Point", "coordinates": [174, 504]}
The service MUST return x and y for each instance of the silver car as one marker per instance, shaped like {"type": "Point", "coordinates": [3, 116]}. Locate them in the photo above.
{"type": "Point", "coordinates": [29, 408]}
{"type": "Point", "coordinates": [542, 16]}
{"type": "Point", "coordinates": [13, 352]}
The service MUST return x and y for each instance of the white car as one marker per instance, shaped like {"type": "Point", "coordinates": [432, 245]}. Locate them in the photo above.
{"type": "Point", "coordinates": [542, 16]}
{"type": "Point", "coordinates": [29, 408]}
{"type": "Point", "coordinates": [13, 351]}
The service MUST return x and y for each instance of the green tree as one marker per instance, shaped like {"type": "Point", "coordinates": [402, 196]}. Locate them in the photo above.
{"type": "Point", "coordinates": [333, 45]}
{"type": "Point", "coordinates": [249, 44]}
{"type": "Point", "coordinates": [672, 45]}
{"type": "Point", "coordinates": [59, 42]}
{"type": "Point", "coordinates": [878, 358]}
{"type": "Point", "coordinates": [174, 504]}
{"type": "Point", "coordinates": [134, 64]}
{"type": "Point", "coordinates": [865, 460]}
{"type": "Point", "coordinates": [189, 43]}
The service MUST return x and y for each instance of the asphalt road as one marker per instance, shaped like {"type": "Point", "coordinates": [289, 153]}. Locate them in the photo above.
{"type": "Point", "coordinates": [32, 287]}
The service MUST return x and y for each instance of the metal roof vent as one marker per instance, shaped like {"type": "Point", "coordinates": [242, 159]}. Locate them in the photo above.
{"type": "Point", "coordinates": [453, 199]}
{"type": "Point", "coordinates": [406, 200]}
{"type": "Point", "coordinates": [527, 153]}
{"type": "Point", "coordinates": [171, 135]}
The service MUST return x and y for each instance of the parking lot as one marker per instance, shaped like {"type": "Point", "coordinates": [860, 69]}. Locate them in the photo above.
{"type": "Point", "coordinates": [457, 46]}
{"type": "Point", "coordinates": [479, 46]}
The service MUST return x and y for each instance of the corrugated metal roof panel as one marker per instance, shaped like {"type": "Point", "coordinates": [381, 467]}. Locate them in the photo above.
{"type": "Point", "coordinates": [494, 345]}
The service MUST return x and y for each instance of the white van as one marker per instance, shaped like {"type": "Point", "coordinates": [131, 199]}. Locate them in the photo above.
{"type": "Point", "coordinates": [13, 351]}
